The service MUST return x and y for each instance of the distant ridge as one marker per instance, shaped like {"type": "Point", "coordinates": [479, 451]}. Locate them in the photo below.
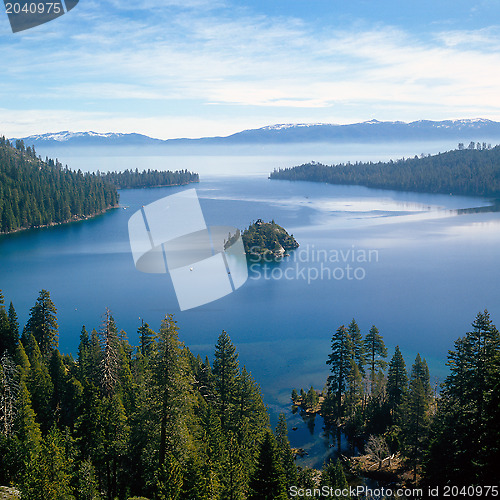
{"type": "Point", "coordinates": [364, 132]}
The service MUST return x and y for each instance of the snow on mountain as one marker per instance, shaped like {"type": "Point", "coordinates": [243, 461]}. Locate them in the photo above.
{"type": "Point", "coordinates": [368, 131]}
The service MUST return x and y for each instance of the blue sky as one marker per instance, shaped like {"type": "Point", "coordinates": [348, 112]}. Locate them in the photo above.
{"type": "Point", "coordinates": [192, 68]}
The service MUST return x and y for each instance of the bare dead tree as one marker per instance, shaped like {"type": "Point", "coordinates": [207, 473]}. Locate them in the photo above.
{"type": "Point", "coordinates": [9, 388]}
{"type": "Point", "coordinates": [109, 363]}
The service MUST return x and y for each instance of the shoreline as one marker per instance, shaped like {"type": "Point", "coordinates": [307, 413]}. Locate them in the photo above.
{"type": "Point", "coordinates": [93, 216]}
{"type": "Point", "coordinates": [69, 221]}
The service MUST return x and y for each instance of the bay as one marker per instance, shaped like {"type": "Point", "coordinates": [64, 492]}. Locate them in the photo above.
{"type": "Point", "coordinates": [419, 271]}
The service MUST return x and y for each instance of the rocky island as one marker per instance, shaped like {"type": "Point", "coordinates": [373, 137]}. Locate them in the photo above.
{"type": "Point", "coordinates": [267, 240]}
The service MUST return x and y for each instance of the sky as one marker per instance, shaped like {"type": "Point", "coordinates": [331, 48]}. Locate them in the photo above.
{"type": "Point", "coordinates": [196, 68]}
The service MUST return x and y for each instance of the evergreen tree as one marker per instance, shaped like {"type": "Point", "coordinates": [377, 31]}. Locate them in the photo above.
{"type": "Point", "coordinates": [225, 371]}
{"type": "Point", "coordinates": [354, 389]}
{"type": "Point", "coordinates": [416, 423]}
{"type": "Point", "coordinates": [48, 472]}
{"type": "Point", "coordinates": [420, 370]}
{"type": "Point", "coordinates": [146, 337]}
{"type": "Point", "coordinates": [40, 386]}
{"type": "Point", "coordinates": [27, 431]}
{"type": "Point", "coordinates": [397, 382]}
{"type": "Point", "coordinates": [109, 362]}
{"type": "Point", "coordinates": [332, 476]}
{"type": "Point", "coordinates": [13, 333]}
{"type": "Point", "coordinates": [340, 361]}
{"type": "Point", "coordinates": [376, 353]}
{"type": "Point", "coordinates": [285, 452]}
{"type": "Point", "coordinates": [267, 481]}
{"type": "Point", "coordinates": [465, 426]}
{"type": "Point", "coordinates": [88, 488]}
{"type": "Point", "coordinates": [173, 382]}
{"type": "Point", "coordinates": [358, 347]}
{"type": "Point", "coordinates": [42, 323]}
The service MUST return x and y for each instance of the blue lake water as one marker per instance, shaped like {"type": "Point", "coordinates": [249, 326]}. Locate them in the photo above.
{"type": "Point", "coordinates": [406, 262]}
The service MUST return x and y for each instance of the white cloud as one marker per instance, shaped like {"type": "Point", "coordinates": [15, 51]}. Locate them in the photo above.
{"type": "Point", "coordinates": [236, 62]}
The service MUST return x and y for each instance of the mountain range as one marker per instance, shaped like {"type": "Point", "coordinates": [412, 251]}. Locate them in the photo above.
{"type": "Point", "coordinates": [365, 132]}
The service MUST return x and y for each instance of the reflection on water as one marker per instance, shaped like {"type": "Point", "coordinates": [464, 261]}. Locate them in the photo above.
{"type": "Point", "coordinates": [315, 442]}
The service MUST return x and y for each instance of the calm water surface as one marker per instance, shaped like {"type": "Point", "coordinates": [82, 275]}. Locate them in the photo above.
{"type": "Point", "coordinates": [418, 271]}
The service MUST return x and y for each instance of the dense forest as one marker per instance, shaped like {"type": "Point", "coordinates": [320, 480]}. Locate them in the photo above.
{"type": "Point", "coordinates": [406, 430]}
{"type": "Point", "coordinates": [37, 193]}
{"type": "Point", "coordinates": [156, 421]}
{"type": "Point", "coordinates": [267, 240]}
{"type": "Point", "coordinates": [149, 178]}
{"type": "Point", "coordinates": [474, 171]}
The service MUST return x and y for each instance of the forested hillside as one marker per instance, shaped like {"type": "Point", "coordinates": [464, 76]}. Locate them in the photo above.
{"type": "Point", "coordinates": [37, 193]}
{"type": "Point", "coordinates": [408, 429]}
{"type": "Point", "coordinates": [471, 171]}
{"type": "Point", "coordinates": [158, 422]}
{"type": "Point", "coordinates": [149, 178]}
{"type": "Point", "coordinates": [154, 421]}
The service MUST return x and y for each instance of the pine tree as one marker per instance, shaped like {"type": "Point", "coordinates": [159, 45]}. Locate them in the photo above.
{"type": "Point", "coordinates": [42, 323]}
{"type": "Point", "coordinates": [376, 352]}
{"type": "Point", "coordinates": [146, 336]}
{"type": "Point", "coordinates": [416, 423]}
{"type": "Point", "coordinates": [268, 481]}
{"type": "Point", "coordinates": [285, 452]}
{"type": "Point", "coordinates": [340, 361]}
{"type": "Point", "coordinates": [27, 431]}
{"type": "Point", "coordinates": [397, 382]}
{"type": "Point", "coordinates": [169, 479]}
{"type": "Point", "coordinates": [40, 386]}
{"type": "Point", "coordinates": [83, 354]}
{"type": "Point", "coordinates": [173, 382]}
{"type": "Point", "coordinates": [332, 476]}
{"type": "Point", "coordinates": [88, 488]}
{"type": "Point", "coordinates": [354, 389]}
{"type": "Point", "coordinates": [13, 335]}
{"type": "Point", "coordinates": [109, 362]}
{"type": "Point", "coordinates": [464, 426]}
{"type": "Point", "coordinates": [420, 370]}
{"type": "Point", "coordinates": [358, 346]}
{"type": "Point", "coordinates": [225, 371]}
{"type": "Point", "coordinates": [48, 472]}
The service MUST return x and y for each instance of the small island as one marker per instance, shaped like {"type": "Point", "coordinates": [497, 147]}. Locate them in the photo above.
{"type": "Point", "coordinates": [266, 241]}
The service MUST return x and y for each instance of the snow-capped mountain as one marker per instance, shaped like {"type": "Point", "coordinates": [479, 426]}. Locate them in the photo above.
{"type": "Point", "coordinates": [369, 131]}
{"type": "Point", "coordinates": [67, 138]}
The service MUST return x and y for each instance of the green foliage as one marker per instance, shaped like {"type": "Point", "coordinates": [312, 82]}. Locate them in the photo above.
{"type": "Point", "coordinates": [42, 323]}
{"type": "Point", "coordinates": [465, 428]}
{"type": "Point", "coordinates": [285, 452]}
{"type": "Point", "coordinates": [35, 192]}
{"type": "Point", "coordinates": [225, 370]}
{"type": "Point", "coordinates": [87, 484]}
{"type": "Point", "coordinates": [332, 475]}
{"type": "Point", "coordinates": [149, 178]}
{"type": "Point", "coordinates": [266, 240]}
{"type": "Point", "coordinates": [468, 172]}
{"type": "Point", "coordinates": [268, 481]}
{"type": "Point", "coordinates": [397, 383]}
{"type": "Point", "coordinates": [376, 352]}
{"type": "Point", "coordinates": [340, 361]}
{"type": "Point", "coordinates": [48, 472]}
